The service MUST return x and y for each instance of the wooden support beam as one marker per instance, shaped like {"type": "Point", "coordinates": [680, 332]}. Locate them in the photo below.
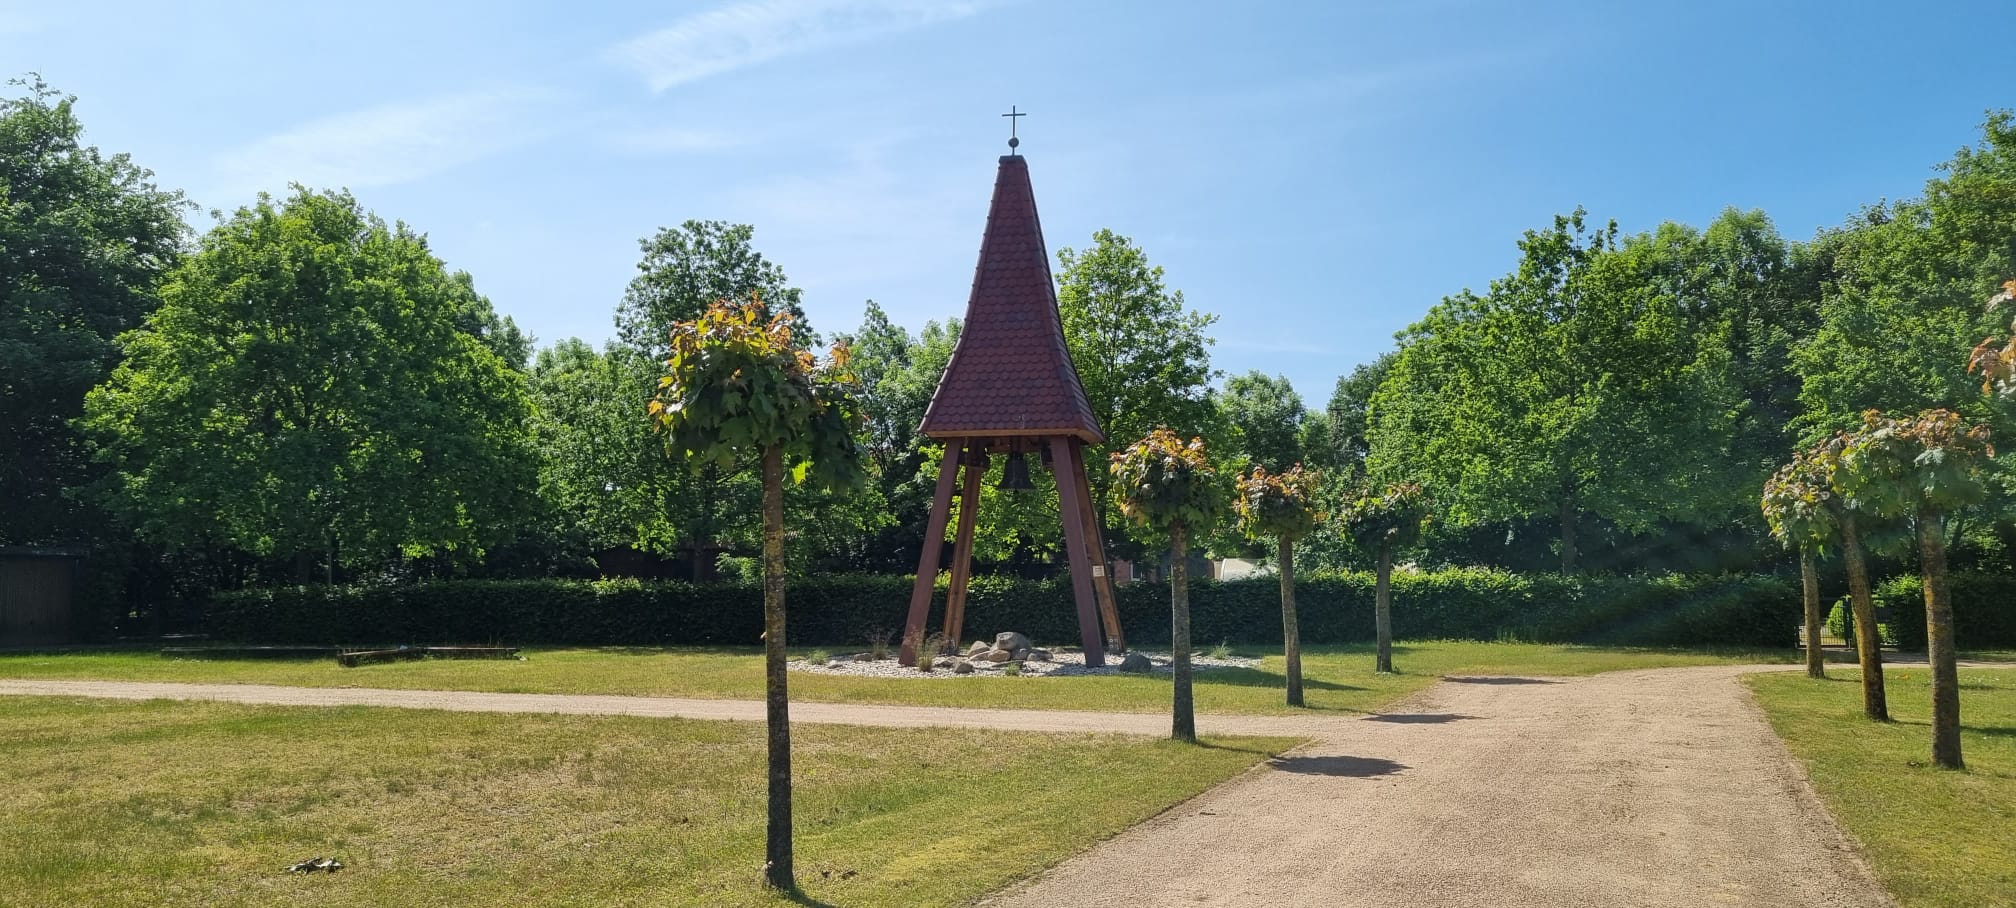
{"type": "Point", "coordinates": [962, 544]}
{"type": "Point", "coordinates": [1102, 570]}
{"type": "Point", "coordinates": [1071, 493]}
{"type": "Point", "coordinates": [927, 560]}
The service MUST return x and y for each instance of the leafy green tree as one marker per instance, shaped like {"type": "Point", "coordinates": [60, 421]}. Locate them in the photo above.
{"type": "Point", "coordinates": [1384, 522]}
{"type": "Point", "coordinates": [1266, 416]}
{"type": "Point", "coordinates": [1800, 508]}
{"type": "Point", "coordinates": [1848, 518]}
{"type": "Point", "coordinates": [1143, 357]}
{"type": "Point", "coordinates": [738, 388]}
{"type": "Point", "coordinates": [305, 388]}
{"type": "Point", "coordinates": [1923, 468]}
{"type": "Point", "coordinates": [1350, 403]}
{"type": "Point", "coordinates": [1173, 488]}
{"type": "Point", "coordinates": [1282, 506]}
{"type": "Point", "coordinates": [692, 266]}
{"type": "Point", "coordinates": [84, 241]}
{"type": "Point", "coordinates": [1572, 388]}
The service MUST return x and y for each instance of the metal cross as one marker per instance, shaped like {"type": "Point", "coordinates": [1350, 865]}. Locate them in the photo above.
{"type": "Point", "coordinates": [1012, 115]}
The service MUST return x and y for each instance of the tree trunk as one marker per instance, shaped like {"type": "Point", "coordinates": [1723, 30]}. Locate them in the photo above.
{"type": "Point", "coordinates": [1939, 648]}
{"type": "Point", "coordinates": [1809, 582]}
{"type": "Point", "coordinates": [1291, 635]}
{"type": "Point", "coordinates": [1183, 721]}
{"type": "Point", "coordinates": [1568, 522]}
{"type": "Point", "coordinates": [1868, 639]}
{"type": "Point", "coordinates": [777, 869]}
{"type": "Point", "coordinates": [1382, 608]}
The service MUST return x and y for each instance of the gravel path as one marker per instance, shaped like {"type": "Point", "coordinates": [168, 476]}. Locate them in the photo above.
{"type": "Point", "coordinates": [1646, 788]}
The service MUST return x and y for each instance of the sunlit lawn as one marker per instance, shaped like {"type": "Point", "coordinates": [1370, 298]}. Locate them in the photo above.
{"type": "Point", "coordinates": [1337, 677]}
{"type": "Point", "coordinates": [1936, 838]}
{"type": "Point", "coordinates": [110, 803]}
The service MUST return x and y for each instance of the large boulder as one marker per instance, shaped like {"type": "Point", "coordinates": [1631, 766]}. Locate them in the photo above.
{"type": "Point", "coordinates": [1137, 664]}
{"type": "Point", "coordinates": [1011, 641]}
{"type": "Point", "coordinates": [978, 647]}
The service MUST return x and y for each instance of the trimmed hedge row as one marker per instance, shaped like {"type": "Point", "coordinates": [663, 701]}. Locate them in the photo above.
{"type": "Point", "coordinates": [1984, 610]}
{"type": "Point", "coordinates": [1755, 611]}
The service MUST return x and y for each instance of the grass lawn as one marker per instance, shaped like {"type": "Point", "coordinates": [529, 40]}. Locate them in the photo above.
{"type": "Point", "coordinates": [1335, 677]}
{"type": "Point", "coordinates": [162, 803]}
{"type": "Point", "coordinates": [1936, 838]}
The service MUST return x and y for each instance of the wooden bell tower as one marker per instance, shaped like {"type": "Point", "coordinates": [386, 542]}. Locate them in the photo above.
{"type": "Point", "coordinates": [1011, 389]}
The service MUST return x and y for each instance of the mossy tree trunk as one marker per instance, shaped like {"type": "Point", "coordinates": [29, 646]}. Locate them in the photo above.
{"type": "Point", "coordinates": [1183, 721]}
{"type": "Point", "coordinates": [1868, 638]}
{"type": "Point", "coordinates": [1939, 645]}
{"type": "Point", "coordinates": [777, 870]}
{"type": "Point", "coordinates": [1291, 635]}
{"type": "Point", "coordinates": [1809, 582]}
{"type": "Point", "coordinates": [1382, 609]}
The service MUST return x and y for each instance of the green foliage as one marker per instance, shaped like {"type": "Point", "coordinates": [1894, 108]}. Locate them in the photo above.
{"type": "Point", "coordinates": [1166, 484]}
{"type": "Point", "coordinates": [1984, 610]}
{"type": "Point", "coordinates": [737, 384]}
{"type": "Point", "coordinates": [1389, 519]}
{"type": "Point", "coordinates": [1903, 467]}
{"type": "Point", "coordinates": [1278, 505]}
{"type": "Point", "coordinates": [841, 611]}
{"type": "Point", "coordinates": [1800, 506]}
{"type": "Point", "coordinates": [1349, 439]}
{"type": "Point", "coordinates": [687, 268]}
{"type": "Point", "coordinates": [84, 240]}
{"type": "Point", "coordinates": [1265, 416]}
{"type": "Point", "coordinates": [306, 382]}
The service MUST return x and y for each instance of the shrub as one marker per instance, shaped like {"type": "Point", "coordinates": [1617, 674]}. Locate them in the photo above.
{"type": "Point", "coordinates": [1984, 610]}
{"type": "Point", "coordinates": [834, 611]}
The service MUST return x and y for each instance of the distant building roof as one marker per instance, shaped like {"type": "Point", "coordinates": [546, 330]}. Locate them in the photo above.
{"type": "Point", "coordinates": [1011, 372]}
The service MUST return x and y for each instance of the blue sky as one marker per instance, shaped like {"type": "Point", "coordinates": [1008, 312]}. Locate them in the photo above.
{"type": "Point", "coordinates": [1317, 174]}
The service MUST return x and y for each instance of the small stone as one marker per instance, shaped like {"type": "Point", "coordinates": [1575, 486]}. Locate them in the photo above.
{"type": "Point", "coordinates": [1038, 655]}
{"type": "Point", "coordinates": [1137, 664]}
{"type": "Point", "coordinates": [978, 647]}
{"type": "Point", "coordinates": [996, 655]}
{"type": "Point", "coordinates": [864, 657]}
{"type": "Point", "coordinates": [962, 667]}
{"type": "Point", "coordinates": [946, 662]}
{"type": "Point", "coordinates": [1021, 655]}
{"type": "Point", "coordinates": [1011, 641]}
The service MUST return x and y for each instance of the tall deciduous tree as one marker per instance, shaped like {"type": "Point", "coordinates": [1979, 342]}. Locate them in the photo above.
{"type": "Point", "coordinates": [1350, 401]}
{"type": "Point", "coordinates": [1141, 354]}
{"type": "Point", "coordinates": [737, 389]}
{"type": "Point", "coordinates": [1800, 507]}
{"type": "Point", "coordinates": [1924, 468]}
{"type": "Point", "coordinates": [1266, 416]}
{"type": "Point", "coordinates": [1173, 488]}
{"type": "Point", "coordinates": [1386, 521]}
{"type": "Point", "coordinates": [1282, 506]}
{"type": "Point", "coordinates": [1848, 522]}
{"type": "Point", "coordinates": [84, 240]}
{"type": "Point", "coordinates": [306, 388]}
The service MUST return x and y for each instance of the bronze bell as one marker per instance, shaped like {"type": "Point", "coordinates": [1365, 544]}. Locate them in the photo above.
{"type": "Point", "coordinates": [1015, 474]}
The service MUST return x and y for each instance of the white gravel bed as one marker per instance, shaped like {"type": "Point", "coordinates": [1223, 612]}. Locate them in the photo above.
{"type": "Point", "coordinates": [1062, 664]}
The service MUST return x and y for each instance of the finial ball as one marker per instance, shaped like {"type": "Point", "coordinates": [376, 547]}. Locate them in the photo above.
{"type": "Point", "coordinates": [1014, 142]}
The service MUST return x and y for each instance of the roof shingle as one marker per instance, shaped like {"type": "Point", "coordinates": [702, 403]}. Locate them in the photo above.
{"type": "Point", "coordinates": [1011, 372]}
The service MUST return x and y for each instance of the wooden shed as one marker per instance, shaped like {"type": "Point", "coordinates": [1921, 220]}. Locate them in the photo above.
{"type": "Point", "coordinates": [38, 595]}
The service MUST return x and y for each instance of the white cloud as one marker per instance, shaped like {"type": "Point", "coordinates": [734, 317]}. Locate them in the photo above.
{"type": "Point", "coordinates": [385, 145]}
{"type": "Point", "coordinates": [753, 31]}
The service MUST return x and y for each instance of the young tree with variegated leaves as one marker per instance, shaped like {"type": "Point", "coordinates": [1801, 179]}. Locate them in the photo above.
{"type": "Point", "coordinates": [737, 388]}
{"type": "Point", "coordinates": [1283, 506]}
{"type": "Point", "coordinates": [1923, 468]}
{"type": "Point", "coordinates": [1800, 509]}
{"type": "Point", "coordinates": [1172, 488]}
{"type": "Point", "coordinates": [1383, 522]}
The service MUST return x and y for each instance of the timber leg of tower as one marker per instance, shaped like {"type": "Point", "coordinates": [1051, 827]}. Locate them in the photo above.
{"type": "Point", "coordinates": [1072, 497]}
{"type": "Point", "coordinates": [1102, 571]}
{"type": "Point", "coordinates": [927, 561]}
{"type": "Point", "coordinates": [962, 546]}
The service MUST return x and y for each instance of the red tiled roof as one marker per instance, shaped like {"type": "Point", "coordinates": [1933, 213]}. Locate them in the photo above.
{"type": "Point", "coordinates": [1011, 373]}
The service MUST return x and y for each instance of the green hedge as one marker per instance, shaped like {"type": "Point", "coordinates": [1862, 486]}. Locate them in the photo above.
{"type": "Point", "coordinates": [845, 611]}
{"type": "Point", "coordinates": [1984, 610]}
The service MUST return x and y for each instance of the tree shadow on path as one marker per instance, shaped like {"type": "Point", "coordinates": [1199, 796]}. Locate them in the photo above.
{"type": "Point", "coordinates": [1349, 767]}
{"type": "Point", "coordinates": [1492, 680]}
{"type": "Point", "coordinates": [1417, 718]}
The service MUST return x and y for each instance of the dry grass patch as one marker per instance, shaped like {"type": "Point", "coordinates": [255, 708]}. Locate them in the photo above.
{"type": "Point", "coordinates": [169, 804]}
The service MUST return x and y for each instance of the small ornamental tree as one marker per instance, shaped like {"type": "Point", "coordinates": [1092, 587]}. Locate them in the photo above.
{"type": "Point", "coordinates": [738, 388]}
{"type": "Point", "coordinates": [1924, 468]}
{"type": "Point", "coordinates": [1381, 523]}
{"type": "Point", "coordinates": [1847, 514]}
{"type": "Point", "coordinates": [1800, 509]}
{"type": "Point", "coordinates": [1283, 506]}
{"type": "Point", "coordinates": [1173, 489]}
